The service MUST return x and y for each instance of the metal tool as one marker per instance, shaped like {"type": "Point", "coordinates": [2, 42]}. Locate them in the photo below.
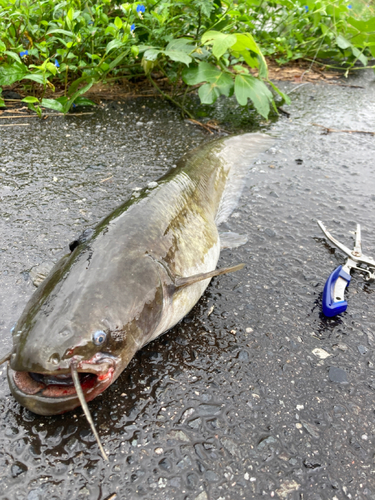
{"type": "Point", "coordinates": [333, 294]}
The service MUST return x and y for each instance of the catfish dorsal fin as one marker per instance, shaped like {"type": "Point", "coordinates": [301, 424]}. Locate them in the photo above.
{"type": "Point", "coordinates": [182, 282]}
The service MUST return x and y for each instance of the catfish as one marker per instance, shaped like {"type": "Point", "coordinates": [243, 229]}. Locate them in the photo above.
{"type": "Point", "coordinates": [130, 279]}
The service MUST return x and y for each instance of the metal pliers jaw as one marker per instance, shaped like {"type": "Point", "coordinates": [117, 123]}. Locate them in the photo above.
{"type": "Point", "coordinates": [333, 294]}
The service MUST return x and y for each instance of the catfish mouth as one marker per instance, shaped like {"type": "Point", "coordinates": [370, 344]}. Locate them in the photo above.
{"type": "Point", "coordinates": [52, 385]}
{"type": "Point", "coordinates": [95, 375]}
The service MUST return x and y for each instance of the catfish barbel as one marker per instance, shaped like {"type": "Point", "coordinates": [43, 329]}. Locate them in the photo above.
{"type": "Point", "coordinates": [131, 278]}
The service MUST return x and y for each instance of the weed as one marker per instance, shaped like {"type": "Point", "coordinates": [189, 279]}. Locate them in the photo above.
{"type": "Point", "coordinates": [218, 45]}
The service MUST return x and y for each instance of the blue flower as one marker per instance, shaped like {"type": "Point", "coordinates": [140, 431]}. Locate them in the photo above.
{"type": "Point", "coordinates": [91, 22]}
{"type": "Point", "coordinates": [57, 63]}
{"type": "Point", "coordinates": [132, 27]}
{"type": "Point", "coordinates": [306, 8]}
{"type": "Point", "coordinates": [349, 6]}
{"type": "Point", "coordinates": [24, 53]}
{"type": "Point", "coordinates": [140, 9]}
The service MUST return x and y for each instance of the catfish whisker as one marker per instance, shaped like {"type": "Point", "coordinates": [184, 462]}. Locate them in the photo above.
{"type": "Point", "coordinates": [85, 407]}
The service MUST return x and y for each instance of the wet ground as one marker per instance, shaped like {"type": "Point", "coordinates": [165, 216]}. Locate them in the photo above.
{"type": "Point", "coordinates": [255, 393]}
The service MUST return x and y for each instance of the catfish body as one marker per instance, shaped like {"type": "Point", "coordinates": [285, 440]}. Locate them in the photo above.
{"type": "Point", "coordinates": [129, 281]}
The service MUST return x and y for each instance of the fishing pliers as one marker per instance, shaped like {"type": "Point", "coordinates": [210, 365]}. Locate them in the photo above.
{"type": "Point", "coordinates": [333, 294]}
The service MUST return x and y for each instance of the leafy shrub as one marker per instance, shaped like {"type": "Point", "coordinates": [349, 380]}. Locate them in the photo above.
{"type": "Point", "coordinates": [211, 43]}
{"type": "Point", "coordinates": [319, 29]}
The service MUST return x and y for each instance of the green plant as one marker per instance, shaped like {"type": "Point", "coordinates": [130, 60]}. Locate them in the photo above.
{"type": "Point", "coordinates": [289, 29]}
{"type": "Point", "coordinates": [218, 45]}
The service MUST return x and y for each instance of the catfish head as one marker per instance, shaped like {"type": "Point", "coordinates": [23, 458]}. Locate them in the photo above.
{"type": "Point", "coordinates": [88, 318]}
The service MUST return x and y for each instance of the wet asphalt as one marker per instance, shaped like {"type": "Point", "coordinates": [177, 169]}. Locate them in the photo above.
{"type": "Point", "coordinates": [255, 393]}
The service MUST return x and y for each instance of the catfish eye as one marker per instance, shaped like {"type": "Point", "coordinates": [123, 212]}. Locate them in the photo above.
{"type": "Point", "coordinates": [99, 337]}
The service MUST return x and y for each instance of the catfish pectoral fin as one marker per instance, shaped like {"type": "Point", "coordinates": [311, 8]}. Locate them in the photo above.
{"type": "Point", "coordinates": [182, 282]}
{"type": "Point", "coordinates": [39, 273]}
{"type": "Point", "coordinates": [5, 358]}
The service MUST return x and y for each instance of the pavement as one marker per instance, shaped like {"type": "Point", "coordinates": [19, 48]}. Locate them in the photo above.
{"type": "Point", "coordinates": [255, 394]}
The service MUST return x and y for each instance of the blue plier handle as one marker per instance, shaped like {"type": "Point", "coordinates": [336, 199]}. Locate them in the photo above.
{"type": "Point", "coordinates": [333, 293]}
{"type": "Point", "coordinates": [339, 279]}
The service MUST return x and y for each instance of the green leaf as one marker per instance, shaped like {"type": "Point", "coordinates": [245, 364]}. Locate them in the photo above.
{"type": "Point", "coordinates": [78, 93]}
{"type": "Point", "coordinates": [201, 53]}
{"type": "Point", "coordinates": [52, 104]}
{"type": "Point", "coordinates": [3, 47]}
{"type": "Point", "coordinates": [192, 76]}
{"type": "Point", "coordinates": [208, 93]}
{"type": "Point", "coordinates": [37, 109]}
{"type": "Point", "coordinates": [62, 32]}
{"type": "Point", "coordinates": [147, 65]}
{"type": "Point", "coordinates": [158, 17]}
{"type": "Point", "coordinates": [37, 77]}
{"type": "Point", "coordinates": [181, 44]}
{"type": "Point", "coordinates": [110, 29]}
{"type": "Point", "coordinates": [2, 103]}
{"type": "Point", "coordinates": [34, 52]}
{"type": "Point", "coordinates": [118, 23]}
{"type": "Point", "coordinates": [219, 82]}
{"type": "Point", "coordinates": [104, 66]}
{"type": "Point", "coordinates": [74, 85]}
{"type": "Point", "coordinates": [342, 42]}
{"type": "Point", "coordinates": [113, 44]}
{"type": "Point", "coordinates": [178, 56]}
{"type": "Point", "coordinates": [13, 55]}
{"type": "Point", "coordinates": [63, 99]}
{"type": "Point", "coordinates": [204, 72]}
{"type": "Point", "coordinates": [317, 18]}
{"type": "Point", "coordinates": [51, 68]}
{"type": "Point", "coordinates": [70, 14]}
{"type": "Point", "coordinates": [210, 35]}
{"type": "Point", "coordinates": [241, 69]}
{"type": "Point", "coordinates": [10, 74]}
{"type": "Point", "coordinates": [251, 61]}
{"type": "Point", "coordinates": [220, 42]}
{"type": "Point", "coordinates": [206, 6]}
{"type": "Point", "coordinates": [360, 56]}
{"type": "Point", "coordinates": [68, 22]}
{"type": "Point", "coordinates": [245, 41]}
{"type": "Point", "coordinates": [118, 59]}
{"type": "Point", "coordinates": [29, 99]}
{"type": "Point", "coordinates": [92, 57]}
{"type": "Point", "coordinates": [151, 54]}
{"type": "Point", "coordinates": [367, 26]}
{"type": "Point", "coordinates": [143, 48]}
{"type": "Point", "coordinates": [83, 101]}
{"type": "Point", "coordinates": [82, 90]}
{"type": "Point", "coordinates": [248, 87]}
{"type": "Point", "coordinates": [263, 68]}
{"type": "Point", "coordinates": [363, 39]}
{"type": "Point", "coordinates": [224, 82]}
{"type": "Point", "coordinates": [285, 97]}
{"type": "Point", "coordinates": [134, 50]}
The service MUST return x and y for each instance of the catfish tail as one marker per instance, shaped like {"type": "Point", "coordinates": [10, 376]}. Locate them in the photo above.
{"type": "Point", "coordinates": [238, 153]}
